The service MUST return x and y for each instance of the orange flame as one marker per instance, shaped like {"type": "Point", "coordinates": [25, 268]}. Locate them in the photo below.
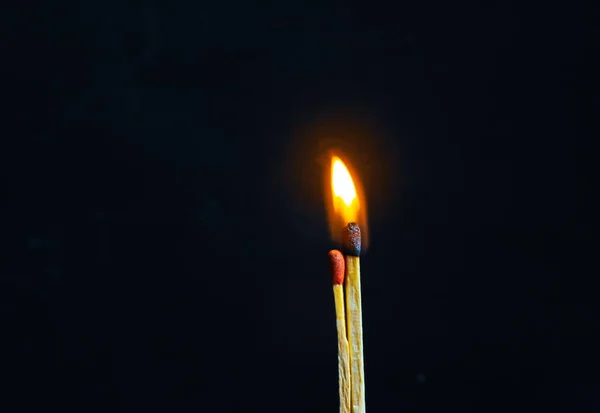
{"type": "Point", "coordinates": [346, 200]}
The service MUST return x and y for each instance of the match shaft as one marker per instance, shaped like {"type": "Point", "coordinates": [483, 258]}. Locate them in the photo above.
{"type": "Point", "coordinates": [343, 352]}
{"type": "Point", "coordinates": [355, 341]}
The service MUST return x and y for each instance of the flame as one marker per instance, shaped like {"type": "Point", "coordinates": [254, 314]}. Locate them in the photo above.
{"type": "Point", "coordinates": [347, 202]}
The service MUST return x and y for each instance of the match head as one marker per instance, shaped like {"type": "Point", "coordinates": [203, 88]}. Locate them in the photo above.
{"type": "Point", "coordinates": [337, 266]}
{"type": "Point", "coordinates": [351, 239]}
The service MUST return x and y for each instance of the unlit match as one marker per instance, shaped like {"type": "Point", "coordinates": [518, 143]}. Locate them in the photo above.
{"type": "Point", "coordinates": [337, 268]}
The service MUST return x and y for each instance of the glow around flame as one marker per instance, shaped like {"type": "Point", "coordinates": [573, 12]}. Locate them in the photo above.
{"type": "Point", "coordinates": [346, 201]}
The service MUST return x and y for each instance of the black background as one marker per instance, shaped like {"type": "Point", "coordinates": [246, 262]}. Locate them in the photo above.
{"type": "Point", "coordinates": [164, 238]}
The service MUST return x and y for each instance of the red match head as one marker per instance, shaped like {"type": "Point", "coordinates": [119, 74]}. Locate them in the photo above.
{"type": "Point", "coordinates": [337, 266]}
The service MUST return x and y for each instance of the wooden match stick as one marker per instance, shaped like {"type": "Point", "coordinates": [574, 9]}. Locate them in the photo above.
{"type": "Point", "coordinates": [351, 243]}
{"type": "Point", "coordinates": [337, 267]}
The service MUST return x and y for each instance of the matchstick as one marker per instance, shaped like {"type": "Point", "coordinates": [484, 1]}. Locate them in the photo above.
{"type": "Point", "coordinates": [351, 243]}
{"type": "Point", "coordinates": [337, 267]}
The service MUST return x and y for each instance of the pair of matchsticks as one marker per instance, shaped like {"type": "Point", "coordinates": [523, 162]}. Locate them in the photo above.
{"type": "Point", "coordinates": [349, 320]}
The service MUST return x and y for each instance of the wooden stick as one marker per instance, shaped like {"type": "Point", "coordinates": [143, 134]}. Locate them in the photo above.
{"type": "Point", "coordinates": [351, 242]}
{"type": "Point", "coordinates": [336, 263]}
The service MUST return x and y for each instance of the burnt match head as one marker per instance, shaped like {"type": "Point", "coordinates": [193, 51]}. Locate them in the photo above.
{"type": "Point", "coordinates": [337, 266]}
{"type": "Point", "coordinates": [351, 239]}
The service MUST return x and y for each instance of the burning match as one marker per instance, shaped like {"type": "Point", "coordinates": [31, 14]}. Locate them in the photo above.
{"type": "Point", "coordinates": [351, 247]}
{"type": "Point", "coordinates": [348, 209]}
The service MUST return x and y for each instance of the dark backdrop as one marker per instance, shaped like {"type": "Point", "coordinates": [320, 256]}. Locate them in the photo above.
{"type": "Point", "coordinates": [163, 227]}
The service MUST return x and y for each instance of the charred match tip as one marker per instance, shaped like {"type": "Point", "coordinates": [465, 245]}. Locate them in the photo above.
{"type": "Point", "coordinates": [337, 266]}
{"type": "Point", "coordinates": [351, 239]}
